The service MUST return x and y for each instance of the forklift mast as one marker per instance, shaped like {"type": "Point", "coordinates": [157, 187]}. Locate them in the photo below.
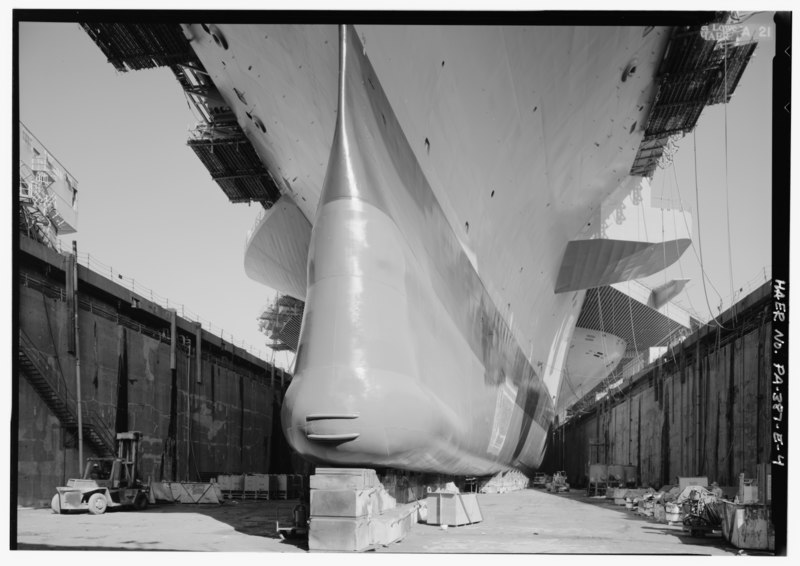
{"type": "Point", "coordinates": [128, 456]}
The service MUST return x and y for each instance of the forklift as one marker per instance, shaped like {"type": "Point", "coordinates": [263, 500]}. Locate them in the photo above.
{"type": "Point", "coordinates": [106, 482]}
{"type": "Point", "coordinates": [558, 483]}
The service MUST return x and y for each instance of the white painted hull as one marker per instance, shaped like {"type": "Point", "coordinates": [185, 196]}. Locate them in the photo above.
{"type": "Point", "coordinates": [520, 133]}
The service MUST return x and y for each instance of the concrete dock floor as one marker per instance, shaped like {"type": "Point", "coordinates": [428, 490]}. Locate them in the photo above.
{"type": "Point", "coordinates": [537, 522]}
{"type": "Point", "coordinates": [521, 522]}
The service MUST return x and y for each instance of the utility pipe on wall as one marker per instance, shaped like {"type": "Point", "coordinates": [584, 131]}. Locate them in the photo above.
{"type": "Point", "coordinates": [173, 402]}
{"type": "Point", "coordinates": [173, 338]}
{"type": "Point", "coordinates": [188, 404]}
{"type": "Point", "coordinates": [74, 275]}
{"type": "Point", "coordinates": [198, 339]}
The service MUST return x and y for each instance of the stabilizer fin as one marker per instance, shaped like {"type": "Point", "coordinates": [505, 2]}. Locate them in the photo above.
{"type": "Point", "coordinates": [662, 294]}
{"type": "Point", "coordinates": [594, 263]}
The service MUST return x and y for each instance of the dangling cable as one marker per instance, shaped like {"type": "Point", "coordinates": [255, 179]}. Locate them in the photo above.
{"type": "Point", "coordinates": [603, 337]}
{"type": "Point", "coordinates": [677, 248]}
{"type": "Point", "coordinates": [694, 248]}
{"type": "Point", "coordinates": [664, 245]}
{"type": "Point", "coordinates": [727, 196]}
{"type": "Point", "coordinates": [630, 312]}
{"type": "Point", "coordinates": [699, 235]}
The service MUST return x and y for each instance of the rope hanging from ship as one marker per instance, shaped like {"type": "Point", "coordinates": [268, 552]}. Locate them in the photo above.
{"type": "Point", "coordinates": [727, 196]}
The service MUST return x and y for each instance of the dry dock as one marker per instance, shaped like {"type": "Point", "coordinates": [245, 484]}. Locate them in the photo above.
{"type": "Point", "coordinates": [203, 405]}
{"type": "Point", "coordinates": [522, 522]}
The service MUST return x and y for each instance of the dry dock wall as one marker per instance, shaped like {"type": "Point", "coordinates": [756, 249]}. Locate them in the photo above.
{"type": "Point", "coordinates": [703, 409]}
{"type": "Point", "coordinates": [195, 424]}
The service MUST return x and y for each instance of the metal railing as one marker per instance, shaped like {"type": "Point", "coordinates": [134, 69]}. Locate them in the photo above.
{"type": "Point", "coordinates": [94, 425]}
{"type": "Point", "coordinates": [65, 404]}
{"type": "Point", "coordinates": [40, 362]}
{"type": "Point", "coordinates": [130, 283]}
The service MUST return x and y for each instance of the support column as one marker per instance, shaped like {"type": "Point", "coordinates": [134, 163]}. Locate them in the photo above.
{"type": "Point", "coordinates": [198, 341]}
{"type": "Point", "coordinates": [78, 397]}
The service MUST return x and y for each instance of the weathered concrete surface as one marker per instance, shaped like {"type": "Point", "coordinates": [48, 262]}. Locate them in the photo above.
{"type": "Point", "coordinates": [247, 526]}
{"type": "Point", "coordinates": [529, 521]}
{"type": "Point", "coordinates": [215, 415]}
{"type": "Point", "coordinates": [538, 522]}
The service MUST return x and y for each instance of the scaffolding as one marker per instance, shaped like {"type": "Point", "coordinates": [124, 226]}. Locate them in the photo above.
{"type": "Point", "coordinates": [36, 205]}
{"type": "Point", "coordinates": [281, 322]}
{"type": "Point", "coordinates": [696, 71]}
{"type": "Point", "coordinates": [134, 46]}
{"type": "Point", "coordinates": [235, 166]}
{"type": "Point", "coordinates": [47, 193]}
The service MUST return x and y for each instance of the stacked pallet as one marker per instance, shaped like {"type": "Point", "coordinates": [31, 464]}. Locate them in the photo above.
{"type": "Point", "coordinates": [261, 486]}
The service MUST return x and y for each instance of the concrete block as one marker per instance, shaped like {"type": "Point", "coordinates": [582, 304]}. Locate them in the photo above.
{"type": "Point", "coordinates": [344, 478]}
{"type": "Point", "coordinates": [385, 501]}
{"type": "Point", "coordinates": [339, 534]}
{"type": "Point", "coordinates": [393, 525]}
{"type": "Point", "coordinates": [343, 502]}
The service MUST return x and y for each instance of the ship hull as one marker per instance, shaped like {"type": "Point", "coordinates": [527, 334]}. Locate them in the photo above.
{"type": "Point", "coordinates": [507, 142]}
{"type": "Point", "coordinates": [592, 356]}
{"type": "Point", "coordinates": [404, 361]}
{"type": "Point", "coordinates": [386, 377]}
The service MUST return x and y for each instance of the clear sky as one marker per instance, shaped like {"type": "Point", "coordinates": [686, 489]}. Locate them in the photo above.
{"type": "Point", "coordinates": [149, 209]}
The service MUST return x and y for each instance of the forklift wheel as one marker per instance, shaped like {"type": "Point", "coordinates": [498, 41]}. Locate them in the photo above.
{"type": "Point", "coordinates": [97, 504]}
{"type": "Point", "coordinates": [55, 504]}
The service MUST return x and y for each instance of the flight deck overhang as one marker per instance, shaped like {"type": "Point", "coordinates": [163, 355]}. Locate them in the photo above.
{"type": "Point", "coordinates": [622, 310]}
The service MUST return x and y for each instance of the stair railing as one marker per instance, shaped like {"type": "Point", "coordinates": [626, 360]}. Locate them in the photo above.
{"type": "Point", "coordinates": [42, 364]}
{"type": "Point", "coordinates": [91, 422]}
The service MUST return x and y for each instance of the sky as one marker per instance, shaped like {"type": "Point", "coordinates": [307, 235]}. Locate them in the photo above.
{"type": "Point", "coordinates": [149, 209]}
